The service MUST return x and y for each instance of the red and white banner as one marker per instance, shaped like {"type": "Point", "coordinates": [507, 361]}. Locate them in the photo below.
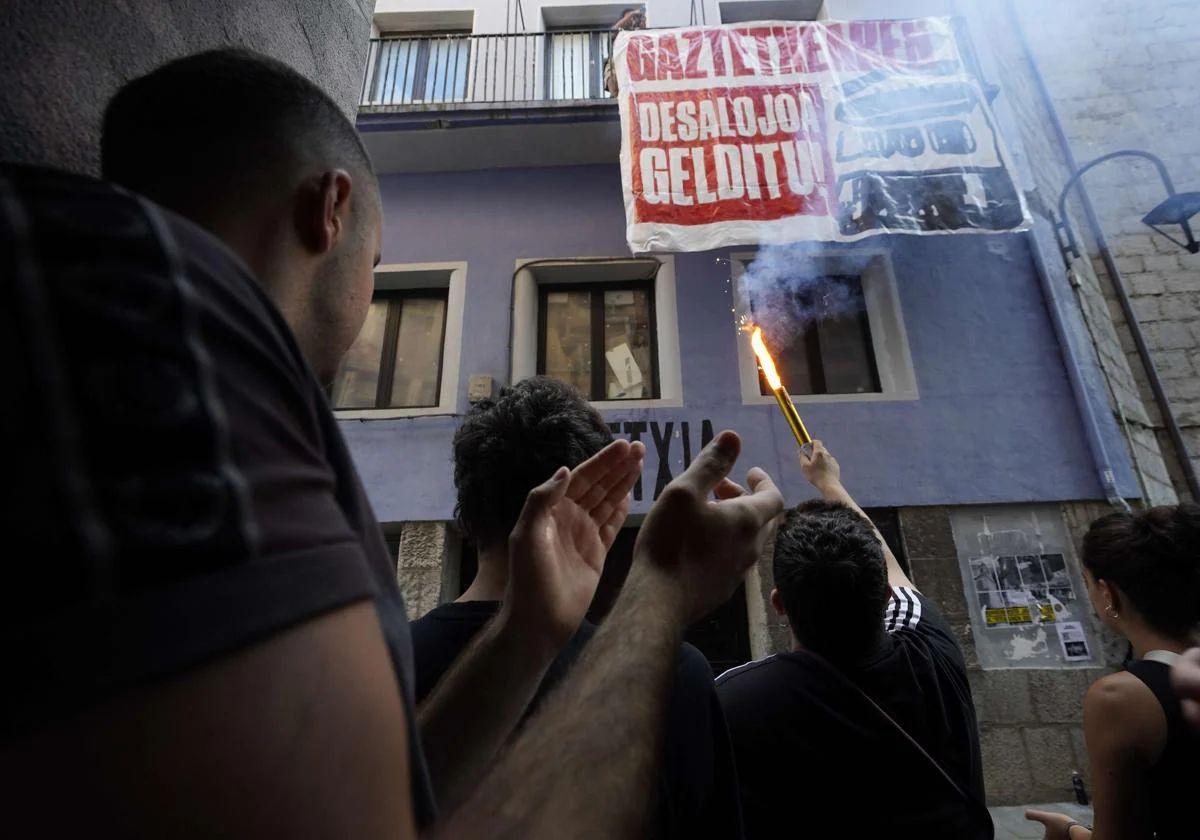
{"type": "Point", "coordinates": [780, 132]}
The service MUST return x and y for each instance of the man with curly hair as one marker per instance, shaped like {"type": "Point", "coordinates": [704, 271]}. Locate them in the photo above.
{"type": "Point", "coordinates": [504, 448]}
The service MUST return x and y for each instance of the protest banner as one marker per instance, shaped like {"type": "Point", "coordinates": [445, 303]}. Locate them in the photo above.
{"type": "Point", "coordinates": [783, 131]}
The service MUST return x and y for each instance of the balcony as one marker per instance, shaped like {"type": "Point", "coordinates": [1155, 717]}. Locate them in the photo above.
{"type": "Point", "coordinates": [457, 72]}
{"type": "Point", "coordinates": [460, 101]}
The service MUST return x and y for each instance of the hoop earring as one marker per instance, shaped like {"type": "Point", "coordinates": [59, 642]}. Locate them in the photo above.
{"type": "Point", "coordinates": [1110, 612]}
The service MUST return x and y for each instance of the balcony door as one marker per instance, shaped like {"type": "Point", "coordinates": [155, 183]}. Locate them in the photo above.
{"type": "Point", "coordinates": [419, 67]}
{"type": "Point", "coordinates": [575, 58]}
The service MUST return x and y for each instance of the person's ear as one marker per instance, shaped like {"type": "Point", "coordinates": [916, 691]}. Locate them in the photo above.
{"type": "Point", "coordinates": [323, 210]}
{"type": "Point", "coordinates": [777, 603]}
{"type": "Point", "coordinates": [1111, 598]}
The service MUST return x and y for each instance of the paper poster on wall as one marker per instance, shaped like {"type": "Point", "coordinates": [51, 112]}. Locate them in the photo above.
{"type": "Point", "coordinates": [1074, 642]}
{"type": "Point", "coordinates": [1026, 601]}
{"type": "Point", "coordinates": [783, 131]}
{"type": "Point", "coordinates": [1022, 589]}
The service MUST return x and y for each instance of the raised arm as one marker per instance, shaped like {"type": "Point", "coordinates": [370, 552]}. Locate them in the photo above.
{"type": "Point", "coordinates": [556, 555]}
{"type": "Point", "coordinates": [585, 764]}
{"type": "Point", "coordinates": [824, 473]}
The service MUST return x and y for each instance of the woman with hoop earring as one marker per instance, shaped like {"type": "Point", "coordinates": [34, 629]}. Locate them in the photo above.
{"type": "Point", "coordinates": [1143, 576]}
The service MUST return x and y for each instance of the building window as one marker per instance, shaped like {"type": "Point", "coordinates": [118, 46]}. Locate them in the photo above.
{"type": "Point", "coordinates": [749, 11]}
{"type": "Point", "coordinates": [835, 328]}
{"type": "Point", "coordinates": [606, 325]}
{"type": "Point", "coordinates": [830, 351]}
{"type": "Point", "coordinates": [575, 60]}
{"type": "Point", "coordinates": [396, 361]}
{"type": "Point", "coordinates": [600, 338]}
{"type": "Point", "coordinates": [415, 67]}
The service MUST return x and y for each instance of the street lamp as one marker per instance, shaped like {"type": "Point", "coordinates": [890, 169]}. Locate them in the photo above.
{"type": "Point", "coordinates": [1177, 209]}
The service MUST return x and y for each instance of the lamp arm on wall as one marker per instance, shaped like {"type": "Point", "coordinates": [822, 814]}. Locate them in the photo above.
{"type": "Point", "coordinates": [1074, 179]}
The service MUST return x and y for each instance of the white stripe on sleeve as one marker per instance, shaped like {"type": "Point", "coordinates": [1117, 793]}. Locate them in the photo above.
{"type": "Point", "coordinates": [903, 611]}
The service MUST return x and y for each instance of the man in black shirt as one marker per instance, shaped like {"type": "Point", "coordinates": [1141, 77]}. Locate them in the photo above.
{"type": "Point", "coordinates": [817, 755]}
{"type": "Point", "coordinates": [203, 634]}
{"type": "Point", "coordinates": [504, 448]}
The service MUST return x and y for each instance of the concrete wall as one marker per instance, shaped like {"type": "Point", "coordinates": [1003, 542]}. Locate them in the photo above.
{"type": "Point", "coordinates": [1030, 720]}
{"type": "Point", "coordinates": [1121, 76]}
{"type": "Point", "coordinates": [61, 60]}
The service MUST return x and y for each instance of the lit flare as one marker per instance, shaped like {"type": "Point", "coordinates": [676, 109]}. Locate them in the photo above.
{"type": "Point", "coordinates": [776, 384]}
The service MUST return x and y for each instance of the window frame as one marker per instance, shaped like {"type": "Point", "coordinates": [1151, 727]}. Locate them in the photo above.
{"type": "Point", "coordinates": [596, 60]}
{"type": "Point", "coordinates": [448, 276]}
{"type": "Point", "coordinates": [596, 313]}
{"type": "Point", "coordinates": [889, 338]}
{"type": "Point", "coordinates": [815, 357]}
{"type": "Point", "coordinates": [767, 10]}
{"type": "Point", "coordinates": [534, 271]}
{"type": "Point", "coordinates": [384, 380]}
{"type": "Point", "coordinates": [421, 78]}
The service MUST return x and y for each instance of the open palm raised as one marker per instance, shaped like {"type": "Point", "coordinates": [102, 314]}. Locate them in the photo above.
{"type": "Point", "coordinates": [556, 551]}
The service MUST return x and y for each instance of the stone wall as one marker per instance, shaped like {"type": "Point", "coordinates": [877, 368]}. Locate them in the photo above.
{"type": "Point", "coordinates": [427, 565]}
{"type": "Point", "coordinates": [61, 60]}
{"type": "Point", "coordinates": [1121, 76]}
{"type": "Point", "coordinates": [1030, 720]}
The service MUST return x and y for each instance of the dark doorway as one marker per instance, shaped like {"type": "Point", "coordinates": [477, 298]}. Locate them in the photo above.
{"type": "Point", "coordinates": [616, 569]}
{"type": "Point", "coordinates": [723, 636]}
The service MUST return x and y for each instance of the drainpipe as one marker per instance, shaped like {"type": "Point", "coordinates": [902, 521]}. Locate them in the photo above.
{"type": "Point", "coordinates": [1091, 423]}
{"type": "Point", "coordinates": [1160, 397]}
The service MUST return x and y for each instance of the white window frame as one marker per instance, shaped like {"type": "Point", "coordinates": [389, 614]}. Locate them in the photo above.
{"type": "Point", "coordinates": [525, 324]}
{"type": "Point", "coordinates": [432, 20]}
{"type": "Point", "coordinates": [451, 276]}
{"type": "Point", "coordinates": [889, 339]}
{"type": "Point", "coordinates": [750, 11]}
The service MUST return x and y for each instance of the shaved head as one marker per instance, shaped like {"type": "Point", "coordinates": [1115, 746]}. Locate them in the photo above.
{"type": "Point", "coordinates": [206, 131]}
{"type": "Point", "coordinates": [246, 147]}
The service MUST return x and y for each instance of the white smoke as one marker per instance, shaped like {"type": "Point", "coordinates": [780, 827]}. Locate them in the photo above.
{"type": "Point", "coordinates": [787, 288]}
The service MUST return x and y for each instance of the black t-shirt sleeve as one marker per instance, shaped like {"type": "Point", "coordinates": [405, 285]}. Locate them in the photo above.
{"type": "Point", "coordinates": [703, 798]}
{"type": "Point", "coordinates": [179, 505]}
{"type": "Point", "coordinates": [908, 611]}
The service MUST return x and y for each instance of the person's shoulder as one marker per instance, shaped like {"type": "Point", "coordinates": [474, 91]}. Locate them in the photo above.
{"type": "Point", "coordinates": [1121, 714]}
{"type": "Point", "coordinates": [915, 622]}
{"type": "Point", "coordinates": [906, 608]}
{"type": "Point", "coordinates": [206, 253]}
{"type": "Point", "coordinates": [693, 666]}
{"type": "Point", "coordinates": [1117, 695]}
{"type": "Point", "coordinates": [749, 672]}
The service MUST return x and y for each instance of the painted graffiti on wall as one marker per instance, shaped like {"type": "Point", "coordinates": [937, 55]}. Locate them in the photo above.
{"type": "Point", "coordinates": [662, 438]}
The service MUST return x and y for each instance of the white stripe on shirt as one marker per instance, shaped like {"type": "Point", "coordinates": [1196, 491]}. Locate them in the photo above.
{"type": "Point", "coordinates": [903, 611]}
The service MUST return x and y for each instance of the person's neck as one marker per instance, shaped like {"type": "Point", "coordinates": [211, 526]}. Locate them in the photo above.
{"type": "Point", "coordinates": [260, 241]}
{"type": "Point", "coordinates": [491, 579]}
{"type": "Point", "coordinates": [1145, 639]}
{"type": "Point", "coordinates": [257, 242]}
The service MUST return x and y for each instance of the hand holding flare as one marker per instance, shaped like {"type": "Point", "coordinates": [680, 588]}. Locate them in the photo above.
{"type": "Point", "coordinates": [781, 395]}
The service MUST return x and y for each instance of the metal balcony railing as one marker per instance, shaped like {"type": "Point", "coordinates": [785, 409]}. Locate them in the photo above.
{"type": "Point", "coordinates": [414, 72]}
